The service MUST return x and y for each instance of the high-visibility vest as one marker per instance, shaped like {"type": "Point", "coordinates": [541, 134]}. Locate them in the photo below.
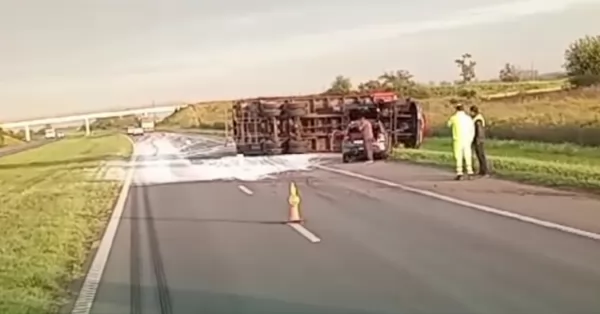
{"type": "Point", "coordinates": [463, 128]}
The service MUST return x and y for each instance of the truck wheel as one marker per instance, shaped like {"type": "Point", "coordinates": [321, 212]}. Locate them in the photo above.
{"type": "Point", "coordinates": [270, 113]}
{"type": "Point", "coordinates": [240, 149]}
{"type": "Point", "coordinates": [269, 106]}
{"type": "Point", "coordinates": [274, 151]}
{"type": "Point", "coordinates": [298, 112]}
{"type": "Point", "coordinates": [295, 110]}
{"type": "Point", "coordinates": [297, 147]}
{"type": "Point", "coordinates": [346, 158]}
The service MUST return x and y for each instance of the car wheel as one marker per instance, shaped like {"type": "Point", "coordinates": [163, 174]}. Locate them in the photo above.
{"type": "Point", "coordinates": [346, 158]}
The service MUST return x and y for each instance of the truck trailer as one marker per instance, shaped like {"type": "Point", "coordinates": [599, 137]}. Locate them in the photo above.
{"type": "Point", "coordinates": [317, 123]}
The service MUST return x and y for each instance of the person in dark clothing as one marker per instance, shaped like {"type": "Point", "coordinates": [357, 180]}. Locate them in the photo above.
{"type": "Point", "coordinates": [366, 128]}
{"type": "Point", "coordinates": [478, 141]}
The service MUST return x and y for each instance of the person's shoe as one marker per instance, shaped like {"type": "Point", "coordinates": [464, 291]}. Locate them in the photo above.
{"type": "Point", "coordinates": [368, 162]}
{"type": "Point", "coordinates": [469, 177]}
{"type": "Point", "coordinates": [458, 177]}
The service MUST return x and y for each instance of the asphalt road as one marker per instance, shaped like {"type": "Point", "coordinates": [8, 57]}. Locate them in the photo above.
{"type": "Point", "coordinates": [216, 247]}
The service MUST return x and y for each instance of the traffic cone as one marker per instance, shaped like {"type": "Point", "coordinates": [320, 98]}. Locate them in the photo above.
{"type": "Point", "coordinates": [294, 201]}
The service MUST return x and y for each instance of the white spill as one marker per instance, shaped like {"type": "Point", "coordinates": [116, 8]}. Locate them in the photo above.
{"type": "Point", "coordinates": [251, 168]}
{"type": "Point", "coordinates": [160, 161]}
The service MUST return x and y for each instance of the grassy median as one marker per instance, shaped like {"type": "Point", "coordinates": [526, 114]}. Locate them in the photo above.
{"type": "Point", "coordinates": [52, 211]}
{"type": "Point", "coordinates": [562, 165]}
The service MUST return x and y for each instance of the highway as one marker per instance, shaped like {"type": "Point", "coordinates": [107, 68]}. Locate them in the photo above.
{"type": "Point", "coordinates": [191, 243]}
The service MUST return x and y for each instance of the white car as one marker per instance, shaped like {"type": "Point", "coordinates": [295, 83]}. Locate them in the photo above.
{"type": "Point", "coordinates": [353, 145]}
{"type": "Point", "coordinates": [135, 131]}
{"type": "Point", "coordinates": [50, 133]}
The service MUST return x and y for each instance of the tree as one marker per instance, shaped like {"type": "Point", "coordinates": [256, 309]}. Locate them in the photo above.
{"type": "Point", "coordinates": [582, 61]}
{"type": "Point", "coordinates": [370, 86]}
{"type": "Point", "coordinates": [341, 85]}
{"type": "Point", "coordinates": [467, 68]}
{"type": "Point", "coordinates": [509, 73]}
{"type": "Point", "coordinates": [2, 137]}
{"type": "Point", "coordinates": [399, 81]}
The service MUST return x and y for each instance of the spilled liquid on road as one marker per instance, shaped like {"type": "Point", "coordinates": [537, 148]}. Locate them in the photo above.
{"type": "Point", "coordinates": [159, 160]}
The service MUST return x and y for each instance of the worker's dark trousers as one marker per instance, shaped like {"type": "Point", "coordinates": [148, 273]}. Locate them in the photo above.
{"type": "Point", "coordinates": [368, 148]}
{"type": "Point", "coordinates": [480, 153]}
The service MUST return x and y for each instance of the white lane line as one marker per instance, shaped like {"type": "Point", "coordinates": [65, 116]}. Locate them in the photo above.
{"type": "Point", "coordinates": [245, 190]}
{"type": "Point", "coordinates": [488, 209]}
{"type": "Point", "coordinates": [304, 232]}
{"type": "Point", "coordinates": [85, 299]}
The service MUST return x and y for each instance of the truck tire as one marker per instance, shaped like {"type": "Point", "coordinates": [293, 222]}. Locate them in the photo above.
{"type": "Point", "coordinates": [269, 106]}
{"type": "Point", "coordinates": [297, 147]}
{"type": "Point", "coordinates": [240, 149]}
{"type": "Point", "coordinates": [299, 112]}
{"type": "Point", "coordinates": [346, 158]}
{"type": "Point", "coordinates": [295, 110]}
{"type": "Point", "coordinates": [270, 113]}
{"type": "Point", "coordinates": [274, 151]}
{"type": "Point", "coordinates": [267, 145]}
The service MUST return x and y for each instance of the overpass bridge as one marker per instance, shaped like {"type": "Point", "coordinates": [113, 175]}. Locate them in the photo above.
{"type": "Point", "coordinates": [27, 124]}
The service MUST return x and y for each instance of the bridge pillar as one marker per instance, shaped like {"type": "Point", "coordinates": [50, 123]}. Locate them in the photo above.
{"type": "Point", "coordinates": [87, 127]}
{"type": "Point", "coordinates": [27, 133]}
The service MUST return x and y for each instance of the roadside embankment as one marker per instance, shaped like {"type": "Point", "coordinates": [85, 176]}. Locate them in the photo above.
{"type": "Point", "coordinates": [54, 208]}
{"type": "Point", "coordinates": [560, 165]}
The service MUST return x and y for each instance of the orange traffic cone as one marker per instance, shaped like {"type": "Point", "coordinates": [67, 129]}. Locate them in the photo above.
{"type": "Point", "coordinates": [294, 201]}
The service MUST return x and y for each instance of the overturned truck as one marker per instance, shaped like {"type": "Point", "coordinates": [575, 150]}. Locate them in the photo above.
{"type": "Point", "coordinates": [317, 123]}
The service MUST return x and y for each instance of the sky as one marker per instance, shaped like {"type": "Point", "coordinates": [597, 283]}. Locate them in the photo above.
{"type": "Point", "coordinates": [72, 56]}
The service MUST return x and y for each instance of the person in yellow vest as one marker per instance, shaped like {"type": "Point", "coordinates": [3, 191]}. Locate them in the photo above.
{"type": "Point", "coordinates": [478, 148]}
{"type": "Point", "coordinates": [463, 132]}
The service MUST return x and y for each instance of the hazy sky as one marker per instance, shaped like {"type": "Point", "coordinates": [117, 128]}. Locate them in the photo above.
{"type": "Point", "coordinates": [66, 56]}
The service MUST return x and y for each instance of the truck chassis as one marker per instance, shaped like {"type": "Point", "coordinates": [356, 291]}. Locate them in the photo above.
{"type": "Point", "coordinates": [316, 123]}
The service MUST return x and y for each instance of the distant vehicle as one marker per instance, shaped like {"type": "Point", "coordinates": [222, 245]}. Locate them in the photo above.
{"type": "Point", "coordinates": [135, 131]}
{"type": "Point", "coordinates": [60, 134]}
{"type": "Point", "coordinates": [50, 133]}
{"type": "Point", "coordinates": [148, 126]}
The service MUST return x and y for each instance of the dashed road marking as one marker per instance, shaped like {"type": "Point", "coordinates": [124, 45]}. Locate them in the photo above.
{"type": "Point", "coordinates": [484, 208]}
{"type": "Point", "coordinates": [305, 232]}
{"type": "Point", "coordinates": [245, 190]}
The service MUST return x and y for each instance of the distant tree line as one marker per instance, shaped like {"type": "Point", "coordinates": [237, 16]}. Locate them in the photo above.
{"type": "Point", "coordinates": [582, 65]}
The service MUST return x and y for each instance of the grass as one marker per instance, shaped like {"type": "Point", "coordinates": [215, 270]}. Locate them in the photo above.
{"type": "Point", "coordinates": [564, 165]}
{"type": "Point", "coordinates": [8, 140]}
{"type": "Point", "coordinates": [495, 89]}
{"type": "Point", "coordinates": [209, 115]}
{"type": "Point", "coordinates": [52, 211]}
{"type": "Point", "coordinates": [569, 116]}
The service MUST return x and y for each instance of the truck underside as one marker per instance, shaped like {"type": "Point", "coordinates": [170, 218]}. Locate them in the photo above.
{"type": "Point", "coordinates": [316, 123]}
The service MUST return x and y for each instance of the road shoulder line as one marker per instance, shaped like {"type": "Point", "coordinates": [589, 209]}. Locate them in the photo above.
{"type": "Point", "coordinates": [484, 208]}
{"type": "Point", "coordinates": [87, 294]}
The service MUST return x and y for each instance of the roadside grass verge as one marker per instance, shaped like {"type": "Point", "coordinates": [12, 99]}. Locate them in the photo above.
{"type": "Point", "coordinates": [569, 116]}
{"type": "Point", "coordinates": [555, 165]}
{"type": "Point", "coordinates": [8, 140]}
{"type": "Point", "coordinates": [52, 211]}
